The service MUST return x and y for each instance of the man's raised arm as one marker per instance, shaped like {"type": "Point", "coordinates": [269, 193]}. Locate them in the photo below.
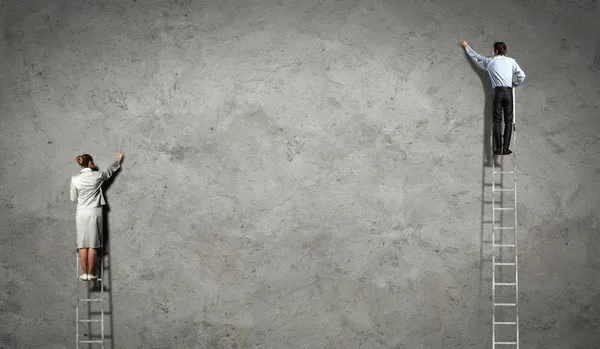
{"type": "Point", "coordinates": [479, 59]}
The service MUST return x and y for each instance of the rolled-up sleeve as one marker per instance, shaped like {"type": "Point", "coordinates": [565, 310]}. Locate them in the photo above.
{"type": "Point", "coordinates": [519, 73]}
{"type": "Point", "coordinates": [111, 170]}
{"type": "Point", "coordinates": [73, 191]}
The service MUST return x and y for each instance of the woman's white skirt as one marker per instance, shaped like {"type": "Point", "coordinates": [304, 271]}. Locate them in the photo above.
{"type": "Point", "coordinates": [89, 227]}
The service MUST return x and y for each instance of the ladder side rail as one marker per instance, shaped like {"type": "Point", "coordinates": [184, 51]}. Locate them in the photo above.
{"type": "Point", "coordinates": [493, 251]}
{"type": "Point", "coordinates": [515, 217]}
{"type": "Point", "coordinates": [77, 304]}
{"type": "Point", "coordinates": [102, 291]}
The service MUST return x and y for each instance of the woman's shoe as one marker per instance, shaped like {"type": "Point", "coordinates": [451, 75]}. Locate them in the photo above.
{"type": "Point", "coordinates": [83, 277]}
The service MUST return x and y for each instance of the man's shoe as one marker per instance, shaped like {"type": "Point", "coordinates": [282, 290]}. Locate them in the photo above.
{"type": "Point", "coordinates": [506, 151]}
{"type": "Point", "coordinates": [498, 152]}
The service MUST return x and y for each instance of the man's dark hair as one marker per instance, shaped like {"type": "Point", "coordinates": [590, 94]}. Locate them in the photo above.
{"type": "Point", "coordinates": [500, 47]}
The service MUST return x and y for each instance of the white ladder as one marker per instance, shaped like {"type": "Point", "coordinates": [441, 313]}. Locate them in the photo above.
{"type": "Point", "coordinates": [90, 301]}
{"type": "Point", "coordinates": [498, 246]}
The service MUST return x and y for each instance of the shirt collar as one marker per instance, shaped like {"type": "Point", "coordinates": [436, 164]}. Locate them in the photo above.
{"type": "Point", "coordinates": [87, 169]}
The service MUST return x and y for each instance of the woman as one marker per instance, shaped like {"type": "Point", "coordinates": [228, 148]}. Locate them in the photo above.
{"type": "Point", "coordinates": [86, 191]}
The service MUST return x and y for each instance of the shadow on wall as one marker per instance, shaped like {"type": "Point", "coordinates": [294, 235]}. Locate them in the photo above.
{"type": "Point", "coordinates": [485, 182]}
{"type": "Point", "coordinates": [106, 258]}
{"type": "Point", "coordinates": [95, 333]}
{"type": "Point", "coordinates": [487, 110]}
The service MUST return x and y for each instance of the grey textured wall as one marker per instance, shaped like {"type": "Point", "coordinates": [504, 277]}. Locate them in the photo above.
{"type": "Point", "coordinates": [297, 174]}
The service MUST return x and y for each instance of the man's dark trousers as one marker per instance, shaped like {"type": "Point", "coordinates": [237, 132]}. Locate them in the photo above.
{"type": "Point", "coordinates": [503, 101]}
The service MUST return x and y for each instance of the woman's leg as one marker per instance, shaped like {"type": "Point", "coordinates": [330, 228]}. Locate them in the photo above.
{"type": "Point", "coordinates": [83, 260]}
{"type": "Point", "coordinates": [91, 261]}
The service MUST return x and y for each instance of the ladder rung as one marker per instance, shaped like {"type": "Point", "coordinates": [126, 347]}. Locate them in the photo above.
{"type": "Point", "coordinates": [90, 299]}
{"type": "Point", "coordinates": [504, 263]}
{"type": "Point", "coordinates": [505, 304]}
{"type": "Point", "coordinates": [90, 341]}
{"type": "Point", "coordinates": [90, 320]}
{"type": "Point", "coordinates": [504, 228]}
{"type": "Point", "coordinates": [506, 343]}
{"type": "Point", "coordinates": [500, 172]}
{"type": "Point", "coordinates": [504, 245]}
{"type": "Point", "coordinates": [509, 189]}
{"type": "Point", "coordinates": [505, 323]}
{"type": "Point", "coordinates": [505, 283]}
{"type": "Point", "coordinates": [504, 208]}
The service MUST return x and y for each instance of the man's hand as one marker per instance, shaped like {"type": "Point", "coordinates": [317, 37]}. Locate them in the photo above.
{"type": "Point", "coordinates": [120, 156]}
{"type": "Point", "coordinates": [463, 43]}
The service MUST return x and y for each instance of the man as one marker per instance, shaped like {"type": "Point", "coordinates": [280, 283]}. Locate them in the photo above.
{"type": "Point", "coordinates": [501, 70]}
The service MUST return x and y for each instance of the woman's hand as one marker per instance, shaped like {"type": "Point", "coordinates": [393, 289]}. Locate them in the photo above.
{"type": "Point", "coordinates": [120, 156]}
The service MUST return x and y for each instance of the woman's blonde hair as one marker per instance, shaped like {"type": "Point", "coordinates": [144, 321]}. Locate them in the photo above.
{"type": "Point", "coordinates": [84, 160]}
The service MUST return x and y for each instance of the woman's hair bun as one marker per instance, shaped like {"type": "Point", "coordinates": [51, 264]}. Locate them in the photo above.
{"type": "Point", "coordinates": [84, 160]}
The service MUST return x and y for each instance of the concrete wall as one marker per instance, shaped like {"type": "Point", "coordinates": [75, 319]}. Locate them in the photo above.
{"type": "Point", "coordinates": [297, 174]}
